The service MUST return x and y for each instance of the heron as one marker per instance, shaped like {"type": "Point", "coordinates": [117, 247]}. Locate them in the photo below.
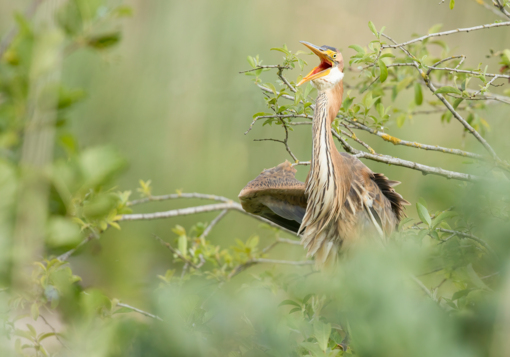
{"type": "Point", "coordinates": [342, 201]}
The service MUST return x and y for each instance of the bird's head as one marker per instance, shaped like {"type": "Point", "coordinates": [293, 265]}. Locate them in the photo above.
{"type": "Point", "coordinates": [329, 72]}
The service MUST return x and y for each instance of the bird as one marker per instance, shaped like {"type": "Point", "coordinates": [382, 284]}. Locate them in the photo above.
{"type": "Point", "coordinates": [342, 201]}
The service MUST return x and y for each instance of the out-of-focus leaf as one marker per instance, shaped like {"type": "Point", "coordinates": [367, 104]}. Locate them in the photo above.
{"type": "Point", "coordinates": [423, 214]}
{"type": "Point", "coordinates": [418, 94]}
{"type": "Point", "coordinates": [102, 42]}
{"type": "Point", "coordinates": [448, 89]}
{"type": "Point", "coordinates": [384, 71]}
{"type": "Point", "coordinates": [62, 232]}
{"type": "Point", "coordinates": [452, 4]}
{"type": "Point", "coordinates": [372, 28]}
{"type": "Point", "coordinates": [322, 332]}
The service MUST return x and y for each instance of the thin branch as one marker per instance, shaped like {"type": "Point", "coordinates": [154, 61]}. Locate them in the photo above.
{"type": "Point", "coordinates": [64, 257]}
{"type": "Point", "coordinates": [249, 263]}
{"type": "Point", "coordinates": [470, 236]}
{"type": "Point", "coordinates": [179, 195]}
{"type": "Point", "coordinates": [491, 8]}
{"type": "Point", "coordinates": [176, 252]}
{"type": "Point", "coordinates": [199, 209]}
{"type": "Point", "coordinates": [475, 133]}
{"type": "Point", "coordinates": [445, 33]}
{"type": "Point", "coordinates": [284, 80]}
{"type": "Point", "coordinates": [139, 311]}
{"type": "Point", "coordinates": [266, 66]}
{"type": "Point", "coordinates": [213, 223]}
{"type": "Point", "coordinates": [423, 287]}
{"type": "Point", "coordinates": [397, 141]}
{"type": "Point", "coordinates": [501, 8]}
{"type": "Point", "coordinates": [276, 116]}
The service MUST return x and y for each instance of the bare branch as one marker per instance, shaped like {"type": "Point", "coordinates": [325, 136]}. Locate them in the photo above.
{"type": "Point", "coordinates": [213, 223]}
{"type": "Point", "coordinates": [446, 103]}
{"type": "Point", "coordinates": [139, 311]}
{"type": "Point", "coordinates": [66, 255]}
{"type": "Point", "coordinates": [277, 116]}
{"type": "Point", "coordinates": [397, 141]}
{"type": "Point", "coordinates": [199, 209]}
{"type": "Point", "coordinates": [491, 8]}
{"type": "Point", "coordinates": [445, 33]}
{"type": "Point", "coordinates": [179, 195]}
{"type": "Point", "coordinates": [501, 7]}
{"type": "Point", "coordinates": [266, 66]}
{"type": "Point", "coordinates": [241, 267]}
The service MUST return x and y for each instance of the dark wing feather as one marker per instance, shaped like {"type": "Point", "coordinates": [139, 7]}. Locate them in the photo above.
{"type": "Point", "coordinates": [396, 200]}
{"type": "Point", "coordinates": [275, 194]}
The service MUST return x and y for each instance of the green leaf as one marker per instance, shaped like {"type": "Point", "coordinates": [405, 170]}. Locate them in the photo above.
{"type": "Point", "coordinates": [289, 302]}
{"type": "Point", "coordinates": [457, 102]}
{"type": "Point", "coordinates": [423, 214]}
{"type": "Point", "coordinates": [475, 279]}
{"type": "Point", "coordinates": [251, 61]}
{"type": "Point", "coordinates": [357, 48]}
{"type": "Point", "coordinates": [443, 216]}
{"type": "Point", "coordinates": [281, 50]}
{"type": "Point", "coordinates": [448, 89]}
{"type": "Point", "coordinates": [372, 28]}
{"type": "Point", "coordinates": [183, 245]}
{"type": "Point", "coordinates": [322, 332]}
{"type": "Point", "coordinates": [461, 293]}
{"type": "Point", "coordinates": [123, 11]}
{"type": "Point", "coordinates": [418, 94]}
{"type": "Point", "coordinates": [313, 348]}
{"type": "Point", "coordinates": [384, 71]}
{"type": "Point", "coordinates": [452, 4]}
{"type": "Point", "coordinates": [122, 310]}
{"type": "Point", "coordinates": [436, 28]}
{"type": "Point", "coordinates": [401, 120]}
{"type": "Point", "coordinates": [34, 311]}
{"type": "Point", "coordinates": [104, 41]}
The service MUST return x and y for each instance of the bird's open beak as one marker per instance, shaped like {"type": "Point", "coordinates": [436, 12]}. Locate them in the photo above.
{"type": "Point", "coordinates": [322, 69]}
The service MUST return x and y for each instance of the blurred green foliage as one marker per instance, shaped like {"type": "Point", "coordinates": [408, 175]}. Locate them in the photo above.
{"type": "Point", "coordinates": [439, 288]}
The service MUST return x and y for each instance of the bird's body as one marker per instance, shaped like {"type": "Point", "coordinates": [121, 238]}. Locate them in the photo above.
{"type": "Point", "coordinates": [345, 200]}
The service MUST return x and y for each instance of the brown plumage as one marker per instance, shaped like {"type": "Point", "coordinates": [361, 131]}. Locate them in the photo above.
{"type": "Point", "coordinates": [342, 200]}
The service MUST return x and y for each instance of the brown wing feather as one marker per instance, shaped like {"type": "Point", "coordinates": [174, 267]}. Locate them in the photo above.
{"type": "Point", "coordinates": [277, 195]}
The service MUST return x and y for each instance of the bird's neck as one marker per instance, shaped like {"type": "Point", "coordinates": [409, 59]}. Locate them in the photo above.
{"type": "Point", "coordinates": [326, 108]}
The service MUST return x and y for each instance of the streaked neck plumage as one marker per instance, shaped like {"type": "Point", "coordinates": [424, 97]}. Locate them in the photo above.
{"type": "Point", "coordinates": [322, 183]}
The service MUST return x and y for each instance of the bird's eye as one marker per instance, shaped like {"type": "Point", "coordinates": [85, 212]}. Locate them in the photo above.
{"type": "Point", "coordinates": [334, 56]}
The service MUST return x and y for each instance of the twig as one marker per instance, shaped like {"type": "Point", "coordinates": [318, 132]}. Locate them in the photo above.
{"type": "Point", "coordinates": [266, 66]}
{"type": "Point", "coordinates": [249, 263]}
{"type": "Point", "coordinates": [490, 8]}
{"type": "Point", "coordinates": [66, 255]}
{"type": "Point", "coordinates": [501, 7]}
{"type": "Point", "coordinates": [276, 116]}
{"type": "Point", "coordinates": [423, 287]}
{"type": "Point", "coordinates": [179, 195]}
{"type": "Point", "coordinates": [445, 33]}
{"type": "Point", "coordinates": [470, 236]}
{"type": "Point", "coordinates": [139, 311]}
{"type": "Point", "coordinates": [397, 141]}
{"type": "Point", "coordinates": [445, 102]}
{"type": "Point", "coordinates": [176, 252]}
{"type": "Point", "coordinates": [199, 209]}
{"type": "Point", "coordinates": [56, 334]}
{"type": "Point", "coordinates": [284, 80]}
{"type": "Point", "coordinates": [213, 223]}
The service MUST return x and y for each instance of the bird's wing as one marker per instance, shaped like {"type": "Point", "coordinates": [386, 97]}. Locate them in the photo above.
{"type": "Point", "coordinates": [372, 196]}
{"type": "Point", "coordinates": [275, 194]}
